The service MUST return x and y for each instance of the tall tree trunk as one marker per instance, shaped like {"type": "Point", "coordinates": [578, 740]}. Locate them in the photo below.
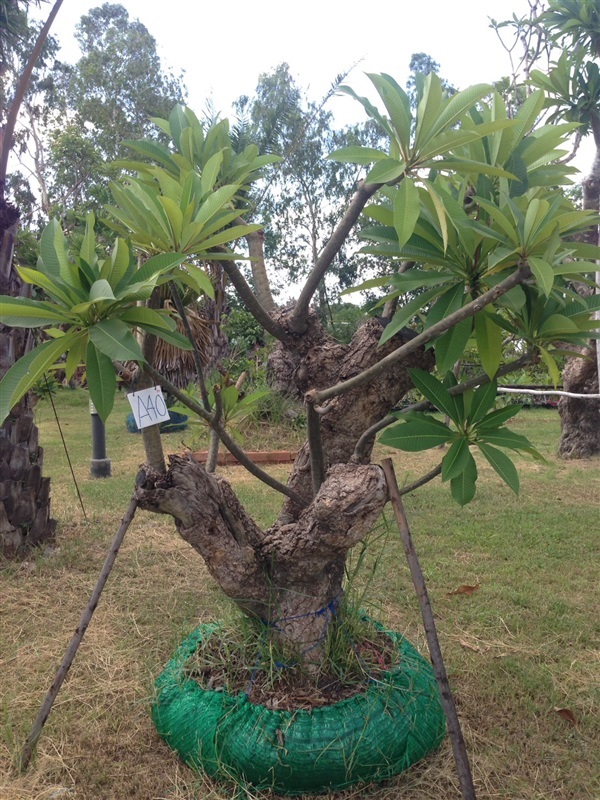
{"type": "Point", "coordinates": [580, 420]}
{"type": "Point", "coordinates": [291, 574]}
{"type": "Point", "coordinates": [24, 494]}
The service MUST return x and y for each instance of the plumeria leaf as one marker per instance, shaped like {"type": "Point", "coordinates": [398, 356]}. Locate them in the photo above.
{"type": "Point", "coordinates": [462, 486]}
{"type": "Point", "coordinates": [502, 465]}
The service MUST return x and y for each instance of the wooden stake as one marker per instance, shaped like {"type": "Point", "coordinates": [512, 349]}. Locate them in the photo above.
{"type": "Point", "coordinates": [61, 674]}
{"type": "Point", "coordinates": [456, 737]}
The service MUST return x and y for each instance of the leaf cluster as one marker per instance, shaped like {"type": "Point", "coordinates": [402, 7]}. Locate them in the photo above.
{"type": "Point", "coordinates": [90, 314]}
{"type": "Point", "coordinates": [474, 423]}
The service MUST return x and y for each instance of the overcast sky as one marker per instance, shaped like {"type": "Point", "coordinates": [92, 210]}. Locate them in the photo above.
{"type": "Point", "coordinates": [224, 47]}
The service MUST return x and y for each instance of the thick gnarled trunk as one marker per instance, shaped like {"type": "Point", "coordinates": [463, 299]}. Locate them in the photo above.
{"type": "Point", "coordinates": [291, 575]}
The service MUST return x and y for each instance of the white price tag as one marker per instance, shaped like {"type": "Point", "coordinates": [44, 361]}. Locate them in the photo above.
{"type": "Point", "coordinates": [148, 406]}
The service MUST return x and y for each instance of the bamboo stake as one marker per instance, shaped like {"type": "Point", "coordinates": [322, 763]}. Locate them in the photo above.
{"type": "Point", "coordinates": [65, 665]}
{"type": "Point", "coordinates": [456, 737]}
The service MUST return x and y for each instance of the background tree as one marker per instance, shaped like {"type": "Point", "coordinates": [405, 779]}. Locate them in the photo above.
{"type": "Point", "coordinates": [24, 499]}
{"type": "Point", "coordinates": [300, 204]}
{"type": "Point", "coordinates": [78, 115]}
{"type": "Point", "coordinates": [573, 87]}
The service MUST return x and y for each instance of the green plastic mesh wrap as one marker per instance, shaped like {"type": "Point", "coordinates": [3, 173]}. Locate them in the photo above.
{"type": "Point", "coordinates": [368, 737]}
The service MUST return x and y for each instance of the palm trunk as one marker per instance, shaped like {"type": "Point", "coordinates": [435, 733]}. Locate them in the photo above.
{"type": "Point", "coordinates": [24, 494]}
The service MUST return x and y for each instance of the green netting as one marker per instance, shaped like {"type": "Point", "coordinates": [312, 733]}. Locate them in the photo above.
{"type": "Point", "coordinates": [368, 737]}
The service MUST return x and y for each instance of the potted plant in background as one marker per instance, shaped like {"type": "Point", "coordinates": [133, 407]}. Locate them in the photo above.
{"type": "Point", "coordinates": [466, 209]}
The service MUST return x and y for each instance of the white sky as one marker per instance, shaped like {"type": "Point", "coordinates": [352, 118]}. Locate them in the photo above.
{"type": "Point", "coordinates": [223, 47]}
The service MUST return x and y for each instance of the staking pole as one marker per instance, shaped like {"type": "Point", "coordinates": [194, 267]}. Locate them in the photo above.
{"type": "Point", "coordinates": [456, 737]}
{"type": "Point", "coordinates": [61, 674]}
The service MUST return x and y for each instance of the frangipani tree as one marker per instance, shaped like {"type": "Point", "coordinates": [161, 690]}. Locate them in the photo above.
{"type": "Point", "coordinates": [471, 198]}
{"type": "Point", "coordinates": [572, 85]}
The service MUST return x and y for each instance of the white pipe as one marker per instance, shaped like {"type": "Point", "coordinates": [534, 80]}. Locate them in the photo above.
{"type": "Point", "coordinates": [543, 392]}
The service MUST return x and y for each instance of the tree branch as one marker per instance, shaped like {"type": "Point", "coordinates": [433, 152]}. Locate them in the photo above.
{"type": "Point", "coordinates": [364, 442]}
{"type": "Point", "coordinates": [429, 476]}
{"type": "Point", "coordinates": [250, 301]}
{"type": "Point", "coordinates": [233, 448]}
{"type": "Point", "coordinates": [518, 277]}
{"type": "Point", "coordinates": [299, 316]}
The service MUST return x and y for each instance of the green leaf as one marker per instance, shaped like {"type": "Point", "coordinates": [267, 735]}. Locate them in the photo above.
{"type": "Point", "coordinates": [53, 252]}
{"type": "Point", "coordinates": [201, 280]}
{"type": "Point", "coordinates": [172, 337]}
{"type": "Point", "coordinates": [397, 104]}
{"type": "Point", "coordinates": [101, 380]}
{"type": "Point", "coordinates": [456, 459]}
{"type": "Point", "coordinates": [229, 235]}
{"type": "Point", "coordinates": [551, 365]}
{"type": "Point", "coordinates": [440, 211]}
{"type": "Point", "coordinates": [386, 170]}
{"type": "Point", "coordinates": [407, 208]}
{"type": "Point", "coordinates": [484, 398]}
{"type": "Point", "coordinates": [76, 354]}
{"type": "Point", "coordinates": [458, 105]}
{"type": "Point", "coordinates": [417, 278]}
{"type": "Point", "coordinates": [52, 285]}
{"type": "Point", "coordinates": [210, 172]}
{"type": "Point", "coordinates": [450, 346]}
{"type": "Point", "coordinates": [88, 246]}
{"type": "Point", "coordinates": [357, 155]}
{"type": "Point", "coordinates": [489, 343]}
{"type": "Point", "coordinates": [157, 265]}
{"type": "Point", "coordinates": [101, 290]}
{"type": "Point", "coordinates": [175, 217]}
{"type": "Point", "coordinates": [557, 325]}
{"type": "Point", "coordinates": [20, 312]}
{"type": "Point", "coordinates": [502, 465]}
{"type": "Point", "coordinates": [27, 370]}
{"type": "Point", "coordinates": [113, 338]}
{"type": "Point", "coordinates": [463, 486]}
{"type": "Point", "coordinates": [503, 437]}
{"type": "Point", "coordinates": [406, 312]}
{"type": "Point", "coordinates": [449, 302]}
{"type": "Point", "coordinates": [216, 201]}
{"type": "Point", "coordinates": [416, 434]}
{"type": "Point", "coordinates": [139, 315]}
{"type": "Point", "coordinates": [428, 110]}
{"type": "Point", "coordinates": [543, 272]}
{"type": "Point", "coordinates": [436, 393]}
{"type": "Point", "coordinates": [497, 417]}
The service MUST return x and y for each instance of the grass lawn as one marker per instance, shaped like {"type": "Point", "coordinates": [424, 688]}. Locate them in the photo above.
{"type": "Point", "coordinates": [521, 646]}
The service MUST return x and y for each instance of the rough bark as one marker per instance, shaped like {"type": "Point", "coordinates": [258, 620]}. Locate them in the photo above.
{"type": "Point", "coordinates": [314, 361]}
{"type": "Point", "coordinates": [24, 494]}
{"type": "Point", "coordinates": [291, 575]}
{"type": "Point", "coordinates": [580, 418]}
